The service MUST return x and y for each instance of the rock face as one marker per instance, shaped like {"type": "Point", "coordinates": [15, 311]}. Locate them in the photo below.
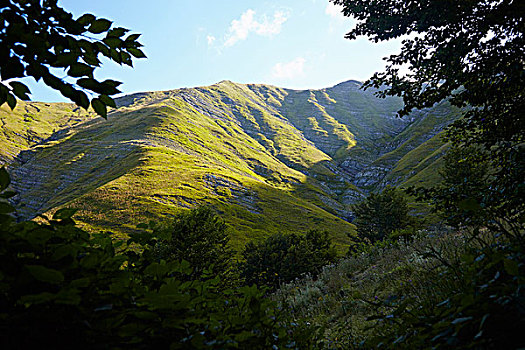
{"type": "Point", "coordinates": [256, 152]}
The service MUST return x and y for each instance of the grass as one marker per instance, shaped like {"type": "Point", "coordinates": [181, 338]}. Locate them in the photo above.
{"type": "Point", "coordinates": [31, 123]}
{"type": "Point", "coordinates": [273, 154]}
{"type": "Point", "coordinates": [342, 300]}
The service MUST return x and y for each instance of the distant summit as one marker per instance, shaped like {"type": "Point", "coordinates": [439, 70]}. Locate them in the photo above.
{"type": "Point", "coordinates": [349, 84]}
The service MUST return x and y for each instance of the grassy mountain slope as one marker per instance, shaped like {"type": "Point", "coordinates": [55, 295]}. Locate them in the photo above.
{"type": "Point", "coordinates": [269, 159]}
{"type": "Point", "coordinates": [32, 123]}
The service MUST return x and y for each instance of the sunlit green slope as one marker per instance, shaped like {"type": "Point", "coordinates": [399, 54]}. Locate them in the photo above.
{"type": "Point", "coordinates": [268, 159]}
{"type": "Point", "coordinates": [33, 123]}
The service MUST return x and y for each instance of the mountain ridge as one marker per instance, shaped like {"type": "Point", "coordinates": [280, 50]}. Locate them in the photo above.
{"type": "Point", "coordinates": [260, 154]}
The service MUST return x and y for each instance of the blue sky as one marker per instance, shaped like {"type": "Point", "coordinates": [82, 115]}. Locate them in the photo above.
{"type": "Point", "coordinates": [296, 44]}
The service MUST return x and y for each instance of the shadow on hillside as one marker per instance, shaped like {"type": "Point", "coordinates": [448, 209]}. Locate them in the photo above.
{"type": "Point", "coordinates": [73, 162]}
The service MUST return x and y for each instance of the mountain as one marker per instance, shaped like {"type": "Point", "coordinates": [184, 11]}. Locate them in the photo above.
{"type": "Point", "coordinates": [267, 159]}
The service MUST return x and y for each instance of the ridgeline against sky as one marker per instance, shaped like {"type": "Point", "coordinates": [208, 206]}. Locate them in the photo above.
{"type": "Point", "coordinates": [297, 44]}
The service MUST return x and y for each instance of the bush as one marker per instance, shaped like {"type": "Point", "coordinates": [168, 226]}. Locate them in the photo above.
{"type": "Point", "coordinates": [381, 214]}
{"type": "Point", "coordinates": [61, 287]}
{"type": "Point", "coordinates": [281, 258]}
{"type": "Point", "coordinates": [484, 310]}
{"type": "Point", "coordinates": [199, 237]}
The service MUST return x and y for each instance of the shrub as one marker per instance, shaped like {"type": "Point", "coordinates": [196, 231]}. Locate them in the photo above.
{"type": "Point", "coordinates": [282, 258]}
{"type": "Point", "coordinates": [484, 310]}
{"type": "Point", "coordinates": [199, 237]}
{"type": "Point", "coordinates": [380, 214]}
{"type": "Point", "coordinates": [61, 287]}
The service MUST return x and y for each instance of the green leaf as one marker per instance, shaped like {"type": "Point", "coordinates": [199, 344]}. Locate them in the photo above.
{"type": "Point", "coordinates": [99, 107]}
{"type": "Point", "coordinates": [126, 58]}
{"type": "Point", "coordinates": [8, 194]}
{"type": "Point", "coordinates": [45, 274]}
{"type": "Point", "coordinates": [80, 283]}
{"type": "Point", "coordinates": [20, 90]}
{"type": "Point", "coordinates": [145, 315]}
{"type": "Point", "coordinates": [108, 101]}
{"type": "Point", "coordinates": [5, 180]}
{"type": "Point", "coordinates": [467, 300]}
{"type": "Point", "coordinates": [115, 56]}
{"type": "Point", "coordinates": [117, 32]}
{"type": "Point", "coordinates": [85, 19]}
{"type": "Point", "coordinates": [68, 297]}
{"type": "Point", "coordinates": [112, 42]}
{"type": "Point", "coordinates": [88, 83]}
{"type": "Point", "coordinates": [156, 270]}
{"type": "Point", "coordinates": [91, 260]}
{"type": "Point", "coordinates": [132, 37]}
{"type": "Point", "coordinates": [511, 266]}
{"type": "Point", "coordinates": [12, 68]}
{"type": "Point", "coordinates": [68, 91]}
{"type": "Point", "coordinates": [100, 25]}
{"type": "Point", "coordinates": [91, 58]}
{"type": "Point", "coordinates": [63, 251]}
{"type": "Point", "coordinates": [6, 208]}
{"type": "Point", "coordinates": [40, 298]}
{"type": "Point", "coordinates": [101, 47]}
{"type": "Point", "coordinates": [64, 213]}
{"type": "Point", "coordinates": [81, 99]}
{"type": "Point", "coordinates": [11, 101]}
{"type": "Point", "coordinates": [109, 87]}
{"type": "Point", "coordinates": [3, 93]}
{"type": "Point", "coordinates": [469, 204]}
{"type": "Point", "coordinates": [79, 70]}
{"type": "Point", "coordinates": [136, 52]}
{"type": "Point", "coordinates": [66, 59]}
{"type": "Point", "coordinates": [112, 83]}
{"type": "Point", "coordinates": [461, 320]}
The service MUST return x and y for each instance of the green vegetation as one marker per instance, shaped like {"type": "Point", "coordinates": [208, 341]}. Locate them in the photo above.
{"type": "Point", "coordinates": [31, 124]}
{"type": "Point", "coordinates": [276, 163]}
{"type": "Point", "coordinates": [462, 194]}
{"type": "Point", "coordinates": [282, 258]}
{"type": "Point", "coordinates": [230, 146]}
{"type": "Point", "coordinates": [198, 237]}
{"type": "Point", "coordinates": [440, 290]}
{"type": "Point", "coordinates": [60, 285]}
{"type": "Point", "coordinates": [476, 295]}
{"type": "Point", "coordinates": [381, 215]}
{"type": "Point", "coordinates": [452, 54]}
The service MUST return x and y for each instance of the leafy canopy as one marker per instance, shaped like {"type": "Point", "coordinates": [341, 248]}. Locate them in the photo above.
{"type": "Point", "coordinates": [470, 52]}
{"type": "Point", "coordinates": [40, 39]}
{"type": "Point", "coordinates": [465, 189]}
{"type": "Point", "coordinates": [199, 237]}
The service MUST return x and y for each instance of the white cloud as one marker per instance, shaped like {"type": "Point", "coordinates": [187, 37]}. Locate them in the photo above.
{"type": "Point", "coordinates": [241, 28]}
{"type": "Point", "coordinates": [289, 70]}
{"type": "Point", "coordinates": [210, 39]}
{"type": "Point", "coordinates": [267, 28]}
{"type": "Point", "coordinates": [334, 11]}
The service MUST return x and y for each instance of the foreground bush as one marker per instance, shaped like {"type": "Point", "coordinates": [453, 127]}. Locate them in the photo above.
{"type": "Point", "coordinates": [438, 291]}
{"type": "Point", "coordinates": [485, 309]}
{"type": "Point", "coordinates": [60, 287]}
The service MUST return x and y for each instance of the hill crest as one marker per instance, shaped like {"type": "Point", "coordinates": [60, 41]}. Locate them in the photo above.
{"type": "Point", "coordinates": [271, 159]}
